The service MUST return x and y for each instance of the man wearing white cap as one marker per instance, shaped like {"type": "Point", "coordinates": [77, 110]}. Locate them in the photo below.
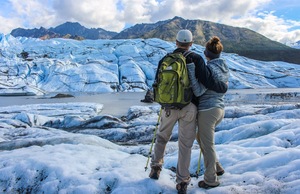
{"type": "Point", "coordinates": [186, 117]}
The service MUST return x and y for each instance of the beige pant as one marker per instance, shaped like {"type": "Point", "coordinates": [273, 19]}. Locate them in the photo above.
{"type": "Point", "coordinates": [186, 118]}
{"type": "Point", "coordinates": [207, 122]}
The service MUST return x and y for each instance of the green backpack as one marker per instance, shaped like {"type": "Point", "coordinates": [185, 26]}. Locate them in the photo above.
{"type": "Point", "coordinates": [172, 88]}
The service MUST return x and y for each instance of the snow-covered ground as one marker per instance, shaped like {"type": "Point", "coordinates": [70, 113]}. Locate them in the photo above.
{"type": "Point", "coordinates": [92, 144]}
{"type": "Point", "coordinates": [36, 67]}
{"type": "Point", "coordinates": [73, 148]}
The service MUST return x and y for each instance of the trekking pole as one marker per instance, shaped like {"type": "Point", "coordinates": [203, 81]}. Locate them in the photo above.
{"type": "Point", "coordinates": [199, 165]}
{"type": "Point", "coordinates": [153, 139]}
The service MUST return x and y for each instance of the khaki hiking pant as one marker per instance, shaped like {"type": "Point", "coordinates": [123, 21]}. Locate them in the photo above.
{"type": "Point", "coordinates": [186, 118]}
{"type": "Point", "coordinates": [207, 122]}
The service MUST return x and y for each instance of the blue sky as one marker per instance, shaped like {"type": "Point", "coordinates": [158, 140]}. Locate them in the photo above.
{"type": "Point", "coordinates": [275, 19]}
{"type": "Point", "coordinates": [288, 10]}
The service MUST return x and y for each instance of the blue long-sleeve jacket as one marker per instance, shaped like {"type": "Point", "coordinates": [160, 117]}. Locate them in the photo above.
{"type": "Point", "coordinates": [209, 98]}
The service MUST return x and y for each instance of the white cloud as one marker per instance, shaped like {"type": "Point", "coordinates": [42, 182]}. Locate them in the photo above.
{"type": "Point", "coordinates": [205, 9]}
{"type": "Point", "coordinates": [114, 15]}
{"type": "Point", "coordinates": [136, 11]}
{"type": "Point", "coordinates": [90, 13]}
{"type": "Point", "coordinates": [270, 26]}
{"type": "Point", "coordinates": [33, 13]}
{"type": "Point", "coordinates": [7, 24]}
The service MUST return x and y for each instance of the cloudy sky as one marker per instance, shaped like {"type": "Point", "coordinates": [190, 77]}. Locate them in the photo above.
{"type": "Point", "coordinates": [276, 19]}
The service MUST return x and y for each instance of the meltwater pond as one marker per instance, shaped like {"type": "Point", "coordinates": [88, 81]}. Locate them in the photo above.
{"type": "Point", "coordinates": [117, 104]}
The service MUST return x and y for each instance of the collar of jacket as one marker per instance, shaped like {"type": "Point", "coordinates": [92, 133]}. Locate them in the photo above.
{"type": "Point", "coordinates": [181, 50]}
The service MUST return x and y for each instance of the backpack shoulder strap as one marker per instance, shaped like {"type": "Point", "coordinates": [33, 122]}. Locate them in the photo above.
{"type": "Point", "coordinates": [186, 53]}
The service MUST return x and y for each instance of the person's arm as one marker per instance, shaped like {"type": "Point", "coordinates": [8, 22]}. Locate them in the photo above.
{"type": "Point", "coordinates": [197, 87]}
{"type": "Point", "coordinates": [204, 75]}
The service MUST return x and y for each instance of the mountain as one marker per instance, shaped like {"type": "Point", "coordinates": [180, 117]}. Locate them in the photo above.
{"type": "Point", "coordinates": [242, 41]}
{"type": "Point", "coordinates": [296, 45]}
{"type": "Point", "coordinates": [67, 30]}
{"type": "Point", "coordinates": [79, 30]}
{"type": "Point", "coordinates": [42, 33]}
{"type": "Point", "coordinates": [139, 30]}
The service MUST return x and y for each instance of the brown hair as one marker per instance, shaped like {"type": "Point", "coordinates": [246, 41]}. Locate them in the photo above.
{"type": "Point", "coordinates": [183, 44]}
{"type": "Point", "coordinates": [213, 48]}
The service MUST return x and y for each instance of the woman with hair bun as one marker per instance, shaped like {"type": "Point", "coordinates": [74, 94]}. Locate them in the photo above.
{"type": "Point", "coordinates": [210, 111]}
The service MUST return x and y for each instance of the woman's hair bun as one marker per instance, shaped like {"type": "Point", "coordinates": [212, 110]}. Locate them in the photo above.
{"type": "Point", "coordinates": [215, 40]}
{"type": "Point", "coordinates": [213, 48]}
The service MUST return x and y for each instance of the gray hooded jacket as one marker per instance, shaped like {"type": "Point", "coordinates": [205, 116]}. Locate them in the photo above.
{"type": "Point", "coordinates": [209, 98]}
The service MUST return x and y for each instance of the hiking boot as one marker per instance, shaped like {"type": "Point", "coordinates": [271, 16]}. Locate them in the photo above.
{"type": "Point", "coordinates": [181, 187]}
{"type": "Point", "coordinates": [203, 185]}
{"type": "Point", "coordinates": [220, 173]}
{"type": "Point", "coordinates": [220, 169]}
{"type": "Point", "coordinates": [155, 172]}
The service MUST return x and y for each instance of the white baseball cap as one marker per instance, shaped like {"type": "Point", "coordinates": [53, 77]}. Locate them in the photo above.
{"type": "Point", "coordinates": [184, 36]}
